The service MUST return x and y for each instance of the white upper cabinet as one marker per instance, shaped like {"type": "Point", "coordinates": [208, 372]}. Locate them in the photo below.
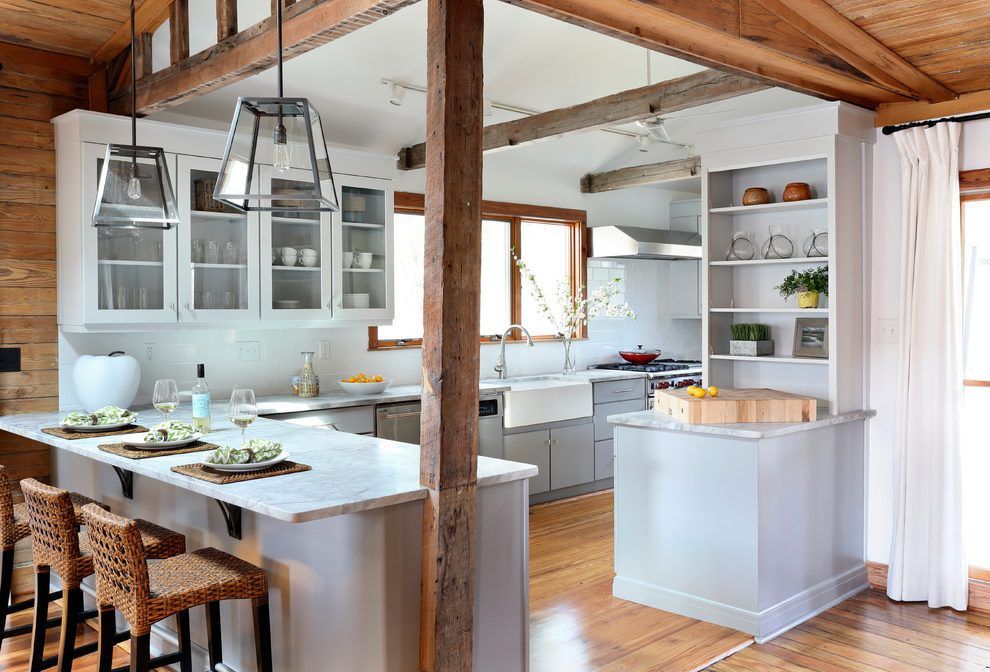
{"type": "Point", "coordinates": [218, 266]}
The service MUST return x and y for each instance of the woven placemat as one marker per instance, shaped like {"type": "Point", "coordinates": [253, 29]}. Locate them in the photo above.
{"type": "Point", "coordinates": [72, 435]}
{"type": "Point", "coordinates": [124, 450]}
{"type": "Point", "coordinates": [206, 473]}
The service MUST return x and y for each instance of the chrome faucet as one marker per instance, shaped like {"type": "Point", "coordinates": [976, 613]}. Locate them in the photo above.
{"type": "Point", "coordinates": [500, 364]}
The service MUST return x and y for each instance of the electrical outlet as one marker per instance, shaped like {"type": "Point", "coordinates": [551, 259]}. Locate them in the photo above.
{"type": "Point", "coordinates": [886, 331]}
{"type": "Point", "coordinates": [248, 351]}
{"type": "Point", "coordinates": [325, 349]}
{"type": "Point", "coordinates": [149, 352]}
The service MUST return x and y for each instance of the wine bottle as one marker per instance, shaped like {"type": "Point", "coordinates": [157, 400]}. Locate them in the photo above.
{"type": "Point", "coordinates": [202, 416]}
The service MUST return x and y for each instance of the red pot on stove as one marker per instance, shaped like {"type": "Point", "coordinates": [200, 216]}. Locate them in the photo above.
{"type": "Point", "coordinates": [639, 355]}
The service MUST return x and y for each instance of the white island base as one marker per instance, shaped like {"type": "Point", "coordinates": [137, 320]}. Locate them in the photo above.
{"type": "Point", "coordinates": [753, 527]}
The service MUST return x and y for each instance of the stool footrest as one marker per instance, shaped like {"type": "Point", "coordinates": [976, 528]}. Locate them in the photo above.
{"type": "Point", "coordinates": [160, 661]}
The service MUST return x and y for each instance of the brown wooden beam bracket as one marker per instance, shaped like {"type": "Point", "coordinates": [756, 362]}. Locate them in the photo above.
{"type": "Point", "coordinates": [143, 57]}
{"type": "Point", "coordinates": [638, 176]}
{"type": "Point", "coordinates": [148, 15]}
{"type": "Point", "coordinates": [226, 19]}
{"type": "Point", "coordinates": [178, 29]}
{"type": "Point", "coordinates": [666, 97]}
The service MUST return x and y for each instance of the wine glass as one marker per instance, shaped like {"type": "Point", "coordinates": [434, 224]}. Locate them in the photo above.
{"type": "Point", "coordinates": [166, 397]}
{"type": "Point", "coordinates": [243, 409]}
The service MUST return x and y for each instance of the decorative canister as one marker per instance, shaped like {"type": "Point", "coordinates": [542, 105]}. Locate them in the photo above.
{"type": "Point", "coordinates": [808, 299]}
{"type": "Point", "coordinates": [309, 384]}
{"type": "Point", "coordinates": [797, 191]}
{"type": "Point", "coordinates": [756, 196]}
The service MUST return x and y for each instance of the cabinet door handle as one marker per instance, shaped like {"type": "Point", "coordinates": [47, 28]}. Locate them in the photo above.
{"type": "Point", "coordinates": [171, 306]}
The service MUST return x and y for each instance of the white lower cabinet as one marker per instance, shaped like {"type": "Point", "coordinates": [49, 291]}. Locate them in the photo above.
{"type": "Point", "coordinates": [531, 448]}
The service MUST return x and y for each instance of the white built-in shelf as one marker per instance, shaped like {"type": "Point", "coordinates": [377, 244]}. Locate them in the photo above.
{"type": "Point", "coordinates": [128, 262]}
{"type": "Point", "coordinates": [776, 359]}
{"type": "Point", "coordinates": [296, 268]}
{"type": "Point", "coordinates": [301, 221]}
{"type": "Point", "coordinates": [223, 216]}
{"type": "Point", "coordinates": [764, 262]}
{"type": "Point", "coordinates": [232, 267]}
{"type": "Point", "coordinates": [798, 311]}
{"type": "Point", "coordinates": [363, 225]}
{"type": "Point", "coordinates": [363, 270]}
{"type": "Point", "coordinates": [809, 204]}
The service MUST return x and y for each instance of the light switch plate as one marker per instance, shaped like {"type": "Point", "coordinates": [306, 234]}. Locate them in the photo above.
{"type": "Point", "coordinates": [324, 349]}
{"type": "Point", "coordinates": [248, 351]}
{"type": "Point", "coordinates": [886, 331]}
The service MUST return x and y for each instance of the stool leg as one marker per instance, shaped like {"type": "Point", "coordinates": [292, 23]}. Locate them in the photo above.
{"type": "Point", "coordinates": [6, 579]}
{"type": "Point", "coordinates": [213, 634]}
{"type": "Point", "coordinates": [262, 635]}
{"type": "Point", "coordinates": [42, 585]}
{"type": "Point", "coordinates": [72, 606]}
{"type": "Point", "coordinates": [108, 628]}
{"type": "Point", "coordinates": [140, 653]}
{"type": "Point", "coordinates": [185, 644]}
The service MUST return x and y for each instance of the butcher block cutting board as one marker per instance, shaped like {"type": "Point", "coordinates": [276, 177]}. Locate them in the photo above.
{"type": "Point", "coordinates": [740, 405]}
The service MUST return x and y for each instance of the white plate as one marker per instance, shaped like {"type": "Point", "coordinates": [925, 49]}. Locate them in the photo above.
{"type": "Point", "coordinates": [137, 441]}
{"type": "Point", "coordinates": [251, 466]}
{"type": "Point", "coordinates": [99, 428]}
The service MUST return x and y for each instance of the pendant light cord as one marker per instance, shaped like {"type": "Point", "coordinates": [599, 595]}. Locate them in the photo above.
{"type": "Point", "coordinates": [134, 168]}
{"type": "Point", "coordinates": [278, 32]}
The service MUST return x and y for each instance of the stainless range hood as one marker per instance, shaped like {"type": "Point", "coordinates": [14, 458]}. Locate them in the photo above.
{"type": "Point", "coordinates": [629, 242]}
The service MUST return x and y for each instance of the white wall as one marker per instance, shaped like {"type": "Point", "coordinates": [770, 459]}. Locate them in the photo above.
{"type": "Point", "coordinates": [885, 304]}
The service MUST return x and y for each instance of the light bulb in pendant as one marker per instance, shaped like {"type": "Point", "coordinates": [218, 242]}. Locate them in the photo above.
{"type": "Point", "coordinates": [134, 188]}
{"type": "Point", "coordinates": [281, 161]}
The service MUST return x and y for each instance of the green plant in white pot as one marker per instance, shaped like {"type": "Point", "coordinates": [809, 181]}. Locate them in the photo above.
{"type": "Point", "coordinates": [750, 340]}
{"type": "Point", "coordinates": [809, 285]}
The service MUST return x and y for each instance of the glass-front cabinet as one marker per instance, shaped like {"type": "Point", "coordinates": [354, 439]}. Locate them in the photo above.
{"type": "Point", "coordinates": [296, 277]}
{"type": "Point", "coordinates": [362, 278]}
{"type": "Point", "coordinates": [129, 274]}
{"type": "Point", "coordinates": [218, 250]}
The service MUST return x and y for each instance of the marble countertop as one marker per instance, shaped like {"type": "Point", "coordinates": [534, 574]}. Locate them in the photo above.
{"type": "Point", "coordinates": [656, 420]}
{"type": "Point", "coordinates": [349, 473]}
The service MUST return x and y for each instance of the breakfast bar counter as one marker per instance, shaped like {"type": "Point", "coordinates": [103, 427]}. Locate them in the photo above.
{"type": "Point", "coordinates": [341, 542]}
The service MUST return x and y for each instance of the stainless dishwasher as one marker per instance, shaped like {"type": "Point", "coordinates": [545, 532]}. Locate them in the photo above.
{"type": "Point", "coordinates": [400, 422]}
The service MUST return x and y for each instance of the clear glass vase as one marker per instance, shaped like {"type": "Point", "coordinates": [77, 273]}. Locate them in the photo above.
{"type": "Point", "coordinates": [568, 341]}
{"type": "Point", "coordinates": [309, 384]}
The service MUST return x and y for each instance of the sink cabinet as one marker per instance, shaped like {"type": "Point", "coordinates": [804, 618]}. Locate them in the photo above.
{"type": "Point", "coordinates": [531, 448]}
{"type": "Point", "coordinates": [572, 456]}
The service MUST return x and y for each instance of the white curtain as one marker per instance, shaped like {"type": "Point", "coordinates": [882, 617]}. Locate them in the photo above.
{"type": "Point", "coordinates": [928, 562]}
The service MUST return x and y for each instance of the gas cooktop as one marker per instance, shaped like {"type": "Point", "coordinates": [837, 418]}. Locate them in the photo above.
{"type": "Point", "coordinates": [656, 366]}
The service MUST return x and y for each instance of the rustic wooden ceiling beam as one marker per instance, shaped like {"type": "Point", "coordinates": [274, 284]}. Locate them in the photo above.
{"type": "Point", "coordinates": [147, 17]}
{"type": "Point", "coordinates": [307, 24]}
{"type": "Point", "coordinates": [903, 113]}
{"type": "Point", "coordinates": [226, 19]}
{"type": "Point", "coordinates": [699, 31]}
{"type": "Point", "coordinates": [178, 30]}
{"type": "Point", "coordinates": [638, 176]}
{"type": "Point", "coordinates": [627, 106]}
{"type": "Point", "coordinates": [835, 33]}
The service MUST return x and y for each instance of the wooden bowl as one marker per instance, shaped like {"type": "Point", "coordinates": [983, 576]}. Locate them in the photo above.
{"type": "Point", "coordinates": [756, 196]}
{"type": "Point", "coordinates": [797, 191]}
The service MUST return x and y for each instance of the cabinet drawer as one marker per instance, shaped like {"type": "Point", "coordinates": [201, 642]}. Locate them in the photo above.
{"type": "Point", "coordinates": [357, 420]}
{"type": "Point", "coordinates": [531, 448]}
{"type": "Point", "coordinates": [604, 460]}
{"type": "Point", "coordinates": [572, 456]}
{"type": "Point", "coordinates": [603, 430]}
{"type": "Point", "coordinates": [620, 390]}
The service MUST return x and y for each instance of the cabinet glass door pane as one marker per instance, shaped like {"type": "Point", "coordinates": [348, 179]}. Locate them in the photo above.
{"type": "Point", "coordinates": [218, 252]}
{"type": "Point", "coordinates": [130, 267]}
{"type": "Point", "coordinates": [364, 217]}
{"type": "Point", "coordinates": [297, 254]}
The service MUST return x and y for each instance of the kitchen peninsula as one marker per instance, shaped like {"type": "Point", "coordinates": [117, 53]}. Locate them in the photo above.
{"type": "Point", "coordinates": [341, 542]}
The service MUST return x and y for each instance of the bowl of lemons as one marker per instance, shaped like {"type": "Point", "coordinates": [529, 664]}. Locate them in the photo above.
{"type": "Point", "coordinates": [362, 384]}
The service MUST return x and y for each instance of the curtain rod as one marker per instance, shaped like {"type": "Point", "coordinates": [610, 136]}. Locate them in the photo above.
{"type": "Point", "coordinates": [888, 130]}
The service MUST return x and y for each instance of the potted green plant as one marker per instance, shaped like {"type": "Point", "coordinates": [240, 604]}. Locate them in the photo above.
{"type": "Point", "coordinates": [750, 340]}
{"type": "Point", "coordinates": [809, 285]}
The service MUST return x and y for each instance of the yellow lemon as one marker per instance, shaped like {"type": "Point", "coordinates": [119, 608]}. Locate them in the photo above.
{"type": "Point", "coordinates": [713, 391]}
{"type": "Point", "coordinates": [698, 392]}
{"type": "Point", "coordinates": [378, 379]}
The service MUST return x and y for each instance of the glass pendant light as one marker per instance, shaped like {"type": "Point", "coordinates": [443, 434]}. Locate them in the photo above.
{"type": "Point", "coordinates": [285, 133]}
{"type": "Point", "coordinates": [135, 191]}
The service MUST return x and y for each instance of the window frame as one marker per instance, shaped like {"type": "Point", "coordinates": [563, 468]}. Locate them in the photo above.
{"type": "Point", "coordinates": [515, 214]}
{"type": "Point", "coordinates": [974, 185]}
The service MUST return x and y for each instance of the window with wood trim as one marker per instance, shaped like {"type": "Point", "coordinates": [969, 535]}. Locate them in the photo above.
{"type": "Point", "coordinates": [552, 241]}
{"type": "Point", "coordinates": [975, 194]}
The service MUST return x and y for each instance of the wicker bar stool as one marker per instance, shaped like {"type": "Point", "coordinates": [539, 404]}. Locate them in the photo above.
{"type": "Point", "coordinates": [13, 528]}
{"type": "Point", "coordinates": [146, 594]}
{"type": "Point", "coordinates": [57, 545]}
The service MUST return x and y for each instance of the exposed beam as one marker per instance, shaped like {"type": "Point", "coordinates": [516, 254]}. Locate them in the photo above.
{"type": "Point", "coordinates": [451, 317]}
{"type": "Point", "coordinates": [902, 113]}
{"type": "Point", "coordinates": [707, 32]}
{"type": "Point", "coordinates": [178, 30]}
{"type": "Point", "coordinates": [638, 176]}
{"type": "Point", "coordinates": [307, 24]}
{"type": "Point", "coordinates": [835, 33]}
{"type": "Point", "coordinates": [98, 88]}
{"type": "Point", "coordinates": [226, 19]}
{"type": "Point", "coordinates": [619, 108]}
{"type": "Point", "coordinates": [147, 17]}
{"type": "Point", "coordinates": [142, 55]}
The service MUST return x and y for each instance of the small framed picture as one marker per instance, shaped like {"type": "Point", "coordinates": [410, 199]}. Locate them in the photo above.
{"type": "Point", "coordinates": [810, 337]}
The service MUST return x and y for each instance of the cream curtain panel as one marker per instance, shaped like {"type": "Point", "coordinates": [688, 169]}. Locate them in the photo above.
{"type": "Point", "coordinates": [928, 561]}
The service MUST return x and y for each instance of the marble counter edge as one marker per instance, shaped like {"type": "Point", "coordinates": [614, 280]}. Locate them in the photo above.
{"type": "Point", "coordinates": [763, 430]}
{"type": "Point", "coordinates": [287, 403]}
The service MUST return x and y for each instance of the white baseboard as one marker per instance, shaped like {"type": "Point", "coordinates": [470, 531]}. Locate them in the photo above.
{"type": "Point", "coordinates": [763, 625]}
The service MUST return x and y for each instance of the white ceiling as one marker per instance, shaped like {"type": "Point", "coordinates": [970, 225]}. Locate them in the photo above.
{"type": "Point", "coordinates": [531, 61]}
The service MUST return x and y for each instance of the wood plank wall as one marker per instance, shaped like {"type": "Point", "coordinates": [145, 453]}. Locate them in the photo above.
{"type": "Point", "coordinates": [35, 86]}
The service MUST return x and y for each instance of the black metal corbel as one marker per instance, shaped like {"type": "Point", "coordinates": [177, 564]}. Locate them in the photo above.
{"type": "Point", "coordinates": [126, 481]}
{"type": "Point", "coordinates": [231, 516]}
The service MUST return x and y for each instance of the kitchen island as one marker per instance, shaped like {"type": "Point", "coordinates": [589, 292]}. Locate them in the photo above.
{"type": "Point", "coordinates": [754, 526]}
{"type": "Point", "coordinates": [341, 542]}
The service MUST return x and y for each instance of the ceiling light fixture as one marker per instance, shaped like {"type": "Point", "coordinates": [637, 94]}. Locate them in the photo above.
{"type": "Point", "coordinates": [135, 191]}
{"type": "Point", "coordinates": [396, 94]}
{"type": "Point", "coordinates": [644, 143]}
{"type": "Point", "coordinates": [287, 134]}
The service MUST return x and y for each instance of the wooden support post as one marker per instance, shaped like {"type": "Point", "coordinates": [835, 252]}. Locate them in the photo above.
{"type": "Point", "coordinates": [178, 22]}
{"type": "Point", "coordinates": [99, 90]}
{"type": "Point", "coordinates": [226, 19]}
{"type": "Point", "coordinates": [142, 55]}
{"type": "Point", "coordinates": [452, 281]}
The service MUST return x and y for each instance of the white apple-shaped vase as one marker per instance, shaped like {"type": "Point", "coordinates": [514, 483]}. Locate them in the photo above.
{"type": "Point", "coordinates": [106, 380]}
